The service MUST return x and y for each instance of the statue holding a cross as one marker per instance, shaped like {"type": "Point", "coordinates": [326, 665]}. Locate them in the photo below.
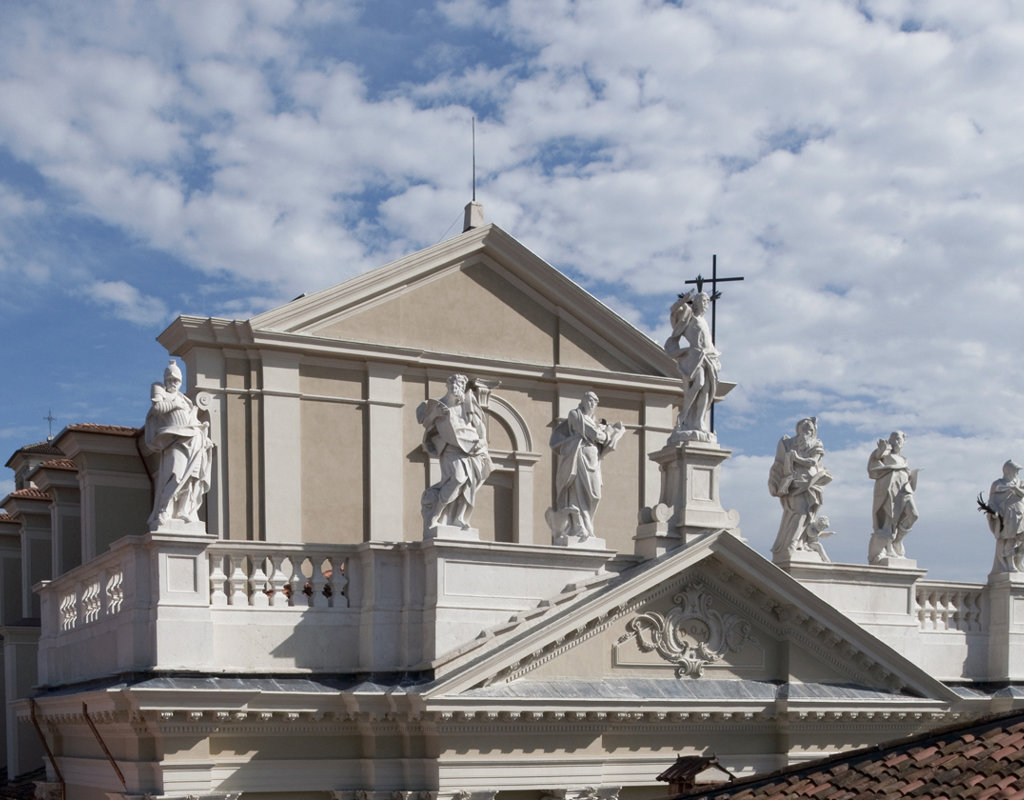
{"type": "Point", "coordinates": [697, 358]}
{"type": "Point", "coordinates": [692, 345]}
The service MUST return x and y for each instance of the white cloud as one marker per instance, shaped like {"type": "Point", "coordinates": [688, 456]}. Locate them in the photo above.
{"type": "Point", "coordinates": [126, 302]}
{"type": "Point", "coordinates": [861, 164]}
{"type": "Point", "coordinates": [15, 204]}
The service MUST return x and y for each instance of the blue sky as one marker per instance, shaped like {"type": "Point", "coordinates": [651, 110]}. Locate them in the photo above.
{"type": "Point", "coordinates": [861, 163]}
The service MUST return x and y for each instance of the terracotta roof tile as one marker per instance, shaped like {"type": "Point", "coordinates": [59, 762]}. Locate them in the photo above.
{"type": "Point", "coordinates": [60, 463]}
{"type": "Point", "coordinates": [114, 430]}
{"type": "Point", "coordinates": [41, 448]}
{"type": "Point", "coordinates": [981, 761]}
{"type": "Point", "coordinates": [31, 493]}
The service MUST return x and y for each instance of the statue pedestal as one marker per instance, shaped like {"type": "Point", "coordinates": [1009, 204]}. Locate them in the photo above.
{"type": "Point", "coordinates": [895, 562]}
{"type": "Point", "coordinates": [1005, 592]}
{"type": "Point", "coordinates": [575, 543]}
{"type": "Point", "coordinates": [876, 554]}
{"type": "Point", "coordinates": [197, 528]}
{"type": "Point", "coordinates": [452, 532]}
{"type": "Point", "coordinates": [689, 506]}
{"type": "Point", "coordinates": [801, 557]}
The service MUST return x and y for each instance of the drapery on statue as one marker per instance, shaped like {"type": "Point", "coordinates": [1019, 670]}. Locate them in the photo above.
{"type": "Point", "coordinates": [698, 363]}
{"type": "Point", "coordinates": [797, 478]}
{"type": "Point", "coordinates": [456, 433]}
{"type": "Point", "coordinates": [1005, 513]}
{"type": "Point", "coordinates": [893, 510]}
{"type": "Point", "coordinates": [174, 431]}
{"type": "Point", "coordinates": [580, 442]}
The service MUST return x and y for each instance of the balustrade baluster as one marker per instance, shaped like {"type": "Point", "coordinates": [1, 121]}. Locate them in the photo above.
{"type": "Point", "coordinates": [239, 581]}
{"type": "Point", "coordinates": [279, 580]}
{"type": "Point", "coordinates": [339, 582]}
{"type": "Point", "coordinates": [956, 619]}
{"type": "Point", "coordinates": [260, 582]}
{"type": "Point", "coordinates": [933, 610]}
{"type": "Point", "coordinates": [317, 583]}
{"type": "Point", "coordinates": [115, 591]}
{"type": "Point", "coordinates": [218, 597]}
{"type": "Point", "coordinates": [298, 583]}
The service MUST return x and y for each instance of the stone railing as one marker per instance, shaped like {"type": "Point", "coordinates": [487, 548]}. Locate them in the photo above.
{"type": "Point", "coordinates": [942, 606]}
{"type": "Point", "coordinates": [86, 596]}
{"type": "Point", "coordinates": [177, 603]}
{"type": "Point", "coordinates": [264, 575]}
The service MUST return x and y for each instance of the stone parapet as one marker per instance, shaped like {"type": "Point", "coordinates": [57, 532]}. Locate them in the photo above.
{"type": "Point", "coordinates": [163, 602]}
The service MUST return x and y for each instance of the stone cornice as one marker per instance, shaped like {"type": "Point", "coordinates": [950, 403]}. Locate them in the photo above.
{"type": "Point", "coordinates": [777, 602]}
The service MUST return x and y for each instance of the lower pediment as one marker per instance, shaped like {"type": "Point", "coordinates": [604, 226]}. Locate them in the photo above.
{"type": "Point", "coordinates": [714, 623]}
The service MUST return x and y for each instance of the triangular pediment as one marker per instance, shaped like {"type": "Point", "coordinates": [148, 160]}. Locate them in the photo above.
{"type": "Point", "coordinates": [712, 622]}
{"type": "Point", "coordinates": [479, 295]}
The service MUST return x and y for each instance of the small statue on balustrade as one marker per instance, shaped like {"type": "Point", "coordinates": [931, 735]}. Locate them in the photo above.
{"type": "Point", "coordinates": [1005, 513]}
{"type": "Point", "coordinates": [455, 432]}
{"type": "Point", "coordinates": [183, 442]}
{"type": "Point", "coordinates": [798, 479]}
{"type": "Point", "coordinates": [893, 510]}
{"type": "Point", "coordinates": [579, 442]}
{"type": "Point", "coordinates": [816, 531]}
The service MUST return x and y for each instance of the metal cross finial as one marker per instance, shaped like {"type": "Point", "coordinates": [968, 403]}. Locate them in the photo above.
{"type": "Point", "coordinates": [50, 419]}
{"type": "Point", "coordinates": [714, 280]}
{"type": "Point", "coordinates": [700, 280]}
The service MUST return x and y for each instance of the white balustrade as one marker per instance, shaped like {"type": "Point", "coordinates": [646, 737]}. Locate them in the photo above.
{"type": "Point", "coordinates": [92, 598]}
{"type": "Point", "coordinates": [948, 606]}
{"type": "Point", "coordinates": [263, 575]}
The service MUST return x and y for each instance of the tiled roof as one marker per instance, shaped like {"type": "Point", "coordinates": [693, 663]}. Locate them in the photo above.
{"type": "Point", "coordinates": [38, 449]}
{"type": "Point", "coordinates": [113, 430]}
{"type": "Point", "coordinates": [5, 517]}
{"type": "Point", "coordinates": [60, 463]}
{"type": "Point", "coordinates": [687, 768]}
{"type": "Point", "coordinates": [982, 761]}
{"type": "Point", "coordinates": [41, 448]}
{"type": "Point", "coordinates": [31, 493]}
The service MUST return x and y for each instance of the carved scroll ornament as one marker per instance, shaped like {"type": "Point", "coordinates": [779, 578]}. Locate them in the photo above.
{"type": "Point", "coordinates": [691, 635]}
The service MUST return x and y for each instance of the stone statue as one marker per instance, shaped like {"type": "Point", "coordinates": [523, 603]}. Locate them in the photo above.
{"type": "Point", "coordinates": [456, 433]}
{"type": "Point", "coordinates": [1005, 513]}
{"type": "Point", "coordinates": [893, 511]}
{"type": "Point", "coordinates": [174, 431]}
{"type": "Point", "coordinates": [797, 478]}
{"type": "Point", "coordinates": [580, 442]}
{"type": "Point", "coordinates": [698, 365]}
{"type": "Point", "coordinates": [816, 531]}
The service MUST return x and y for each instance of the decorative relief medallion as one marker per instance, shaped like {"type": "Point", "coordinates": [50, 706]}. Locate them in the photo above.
{"type": "Point", "coordinates": [691, 635]}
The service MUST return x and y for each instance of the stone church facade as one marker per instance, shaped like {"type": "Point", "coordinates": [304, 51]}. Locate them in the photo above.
{"type": "Point", "coordinates": [313, 638]}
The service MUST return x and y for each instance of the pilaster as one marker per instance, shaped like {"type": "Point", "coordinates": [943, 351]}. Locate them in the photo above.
{"type": "Point", "coordinates": [523, 522]}
{"type": "Point", "coordinates": [31, 509]}
{"type": "Point", "coordinates": [385, 445]}
{"type": "Point", "coordinates": [658, 421]}
{"type": "Point", "coordinates": [207, 378]}
{"type": "Point", "coordinates": [65, 517]}
{"type": "Point", "coordinates": [20, 650]}
{"type": "Point", "coordinates": [282, 447]}
{"type": "Point", "coordinates": [116, 491]}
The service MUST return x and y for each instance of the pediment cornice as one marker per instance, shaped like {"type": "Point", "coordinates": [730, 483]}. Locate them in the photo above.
{"type": "Point", "coordinates": [728, 570]}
